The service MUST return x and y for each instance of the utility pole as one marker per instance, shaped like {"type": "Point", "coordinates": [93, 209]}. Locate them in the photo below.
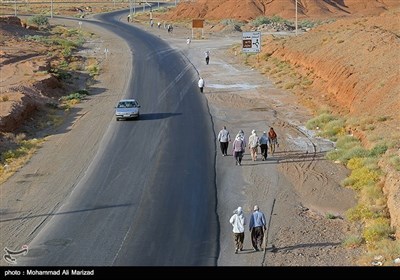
{"type": "Point", "coordinates": [51, 9]}
{"type": "Point", "coordinates": [130, 10]}
{"type": "Point", "coordinates": [296, 17]}
{"type": "Point", "coordinates": [15, 7]}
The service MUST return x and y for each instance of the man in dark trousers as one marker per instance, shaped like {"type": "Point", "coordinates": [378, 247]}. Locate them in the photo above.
{"type": "Point", "coordinates": [224, 138]}
{"type": "Point", "coordinates": [201, 84]}
{"type": "Point", "coordinates": [207, 56]}
{"type": "Point", "coordinates": [257, 227]}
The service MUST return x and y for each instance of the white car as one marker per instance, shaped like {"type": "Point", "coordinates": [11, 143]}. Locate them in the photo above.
{"type": "Point", "coordinates": [127, 109]}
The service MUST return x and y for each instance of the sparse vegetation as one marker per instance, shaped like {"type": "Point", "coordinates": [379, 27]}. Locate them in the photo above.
{"type": "Point", "coordinates": [266, 20]}
{"type": "Point", "coordinates": [39, 21]}
{"type": "Point", "coordinates": [13, 158]}
{"type": "Point", "coordinates": [231, 22]}
{"type": "Point", "coordinates": [64, 43]}
{"type": "Point", "coordinates": [365, 178]}
{"type": "Point", "coordinates": [377, 230]}
{"type": "Point", "coordinates": [330, 216]}
{"type": "Point", "coordinates": [353, 241]}
{"type": "Point", "coordinates": [74, 98]}
{"type": "Point", "coordinates": [395, 161]}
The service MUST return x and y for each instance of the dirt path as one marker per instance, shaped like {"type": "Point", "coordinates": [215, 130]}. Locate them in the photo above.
{"type": "Point", "coordinates": [297, 185]}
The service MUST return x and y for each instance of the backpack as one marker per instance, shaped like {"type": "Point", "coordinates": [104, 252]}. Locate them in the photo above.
{"type": "Point", "coordinates": [272, 134]}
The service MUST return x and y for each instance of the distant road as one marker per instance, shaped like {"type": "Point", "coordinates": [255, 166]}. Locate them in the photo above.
{"type": "Point", "coordinates": [149, 196]}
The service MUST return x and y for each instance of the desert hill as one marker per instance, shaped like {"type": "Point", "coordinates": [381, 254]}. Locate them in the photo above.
{"type": "Point", "coordinates": [307, 9]}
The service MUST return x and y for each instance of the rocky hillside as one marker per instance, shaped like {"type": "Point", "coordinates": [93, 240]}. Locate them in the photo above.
{"type": "Point", "coordinates": [251, 9]}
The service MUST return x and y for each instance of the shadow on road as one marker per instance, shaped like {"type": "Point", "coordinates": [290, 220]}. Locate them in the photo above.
{"type": "Point", "coordinates": [274, 249]}
{"type": "Point", "coordinates": [157, 116]}
{"type": "Point", "coordinates": [64, 213]}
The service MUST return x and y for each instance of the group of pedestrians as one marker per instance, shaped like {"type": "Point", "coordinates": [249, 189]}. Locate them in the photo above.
{"type": "Point", "coordinates": [239, 144]}
{"type": "Point", "coordinates": [257, 224]}
{"type": "Point", "coordinates": [257, 227]}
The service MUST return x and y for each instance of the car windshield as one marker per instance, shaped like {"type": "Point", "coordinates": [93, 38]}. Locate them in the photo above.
{"type": "Point", "coordinates": [127, 104]}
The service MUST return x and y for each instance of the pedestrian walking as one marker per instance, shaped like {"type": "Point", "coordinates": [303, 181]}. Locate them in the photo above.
{"type": "Point", "coordinates": [257, 226]}
{"type": "Point", "coordinates": [241, 133]}
{"type": "Point", "coordinates": [264, 145]}
{"type": "Point", "coordinates": [128, 18]}
{"type": "Point", "coordinates": [188, 41]}
{"type": "Point", "coordinates": [207, 56]}
{"type": "Point", "coordinates": [253, 144]}
{"type": "Point", "coordinates": [151, 22]}
{"type": "Point", "coordinates": [273, 140]}
{"type": "Point", "coordinates": [224, 138]}
{"type": "Point", "coordinates": [238, 221]}
{"type": "Point", "coordinates": [238, 147]}
{"type": "Point", "coordinates": [201, 84]}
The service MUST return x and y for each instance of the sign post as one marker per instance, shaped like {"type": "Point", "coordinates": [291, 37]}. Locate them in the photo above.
{"type": "Point", "coordinates": [198, 23]}
{"type": "Point", "coordinates": [251, 42]}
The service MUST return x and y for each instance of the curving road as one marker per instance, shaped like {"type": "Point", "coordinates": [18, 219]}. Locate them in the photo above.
{"type": "Point", "coordinates": [149, 196]}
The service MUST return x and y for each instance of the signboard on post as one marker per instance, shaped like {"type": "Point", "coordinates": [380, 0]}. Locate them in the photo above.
{"type": "Point", "coordinates": [251, 42]}
{"type": "Point", "coordinates": [198, 23]}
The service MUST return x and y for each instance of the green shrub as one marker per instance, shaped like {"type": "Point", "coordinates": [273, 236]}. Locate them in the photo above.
{"type": "Point", "coordinates": [377, 230]}
{"type": "Point", "coordinates": [383, 118]}
{"type": "Point", "coordinates": [39, 20]}
{"type": "Point", "coordinates": [278, 19]}
{"type": "Point", "coordinates": [229, 22]}
{"type": "Point", "coordinates": [334, 155]}
{"type": "Point", "coordinates": [395, 161]}
{"type": "Point", "coordinates": [63, 64]}
{"type": "Point", "coordinates": [260, 21]}
{"type": "Point", "coordinates": [333, 129]}
{"type": "Point", "coordinates": [388, 248]}
{"type": "Point", "coordinates": [66, 52]}
{"type": "Point", "coordinates": [93, 69]}
{"type": "Point", "coordinates": [378, 150]}
{"type": "Point", "coordinates": [330, 216]}
{"type": "Point", "coordinates": [22, 150]}
{"type": "Point", "coordinates": [346, 142]}
{"type": "Point", "coordinates": [355, 152]}
{"type": "Point", "coordinates": [355, 163]}
{"type": "Point", "coordinates": [360, 212]}
{"type": "Point", "coordinates": [373, 192]}
{"type": "Point", "coordinates": [353, 241]}
{"type": "Point", "coordinates": [319, 121]}
{"type": "Point", "coordinates": [79, 95]}
{"type": "Point", "coordinates": [307, 24]}
{"type": "Point", "coordinates": [363, 177]}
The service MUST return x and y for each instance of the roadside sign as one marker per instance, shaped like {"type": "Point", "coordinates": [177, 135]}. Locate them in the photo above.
{"type": "Point", "coordinates": [251, 41]}
{"type": "Point", "coordinates": [197, 23]}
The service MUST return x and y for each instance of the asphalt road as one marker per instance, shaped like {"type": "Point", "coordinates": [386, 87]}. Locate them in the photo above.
{"type": "Point", "coordinates": [149, 196]}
